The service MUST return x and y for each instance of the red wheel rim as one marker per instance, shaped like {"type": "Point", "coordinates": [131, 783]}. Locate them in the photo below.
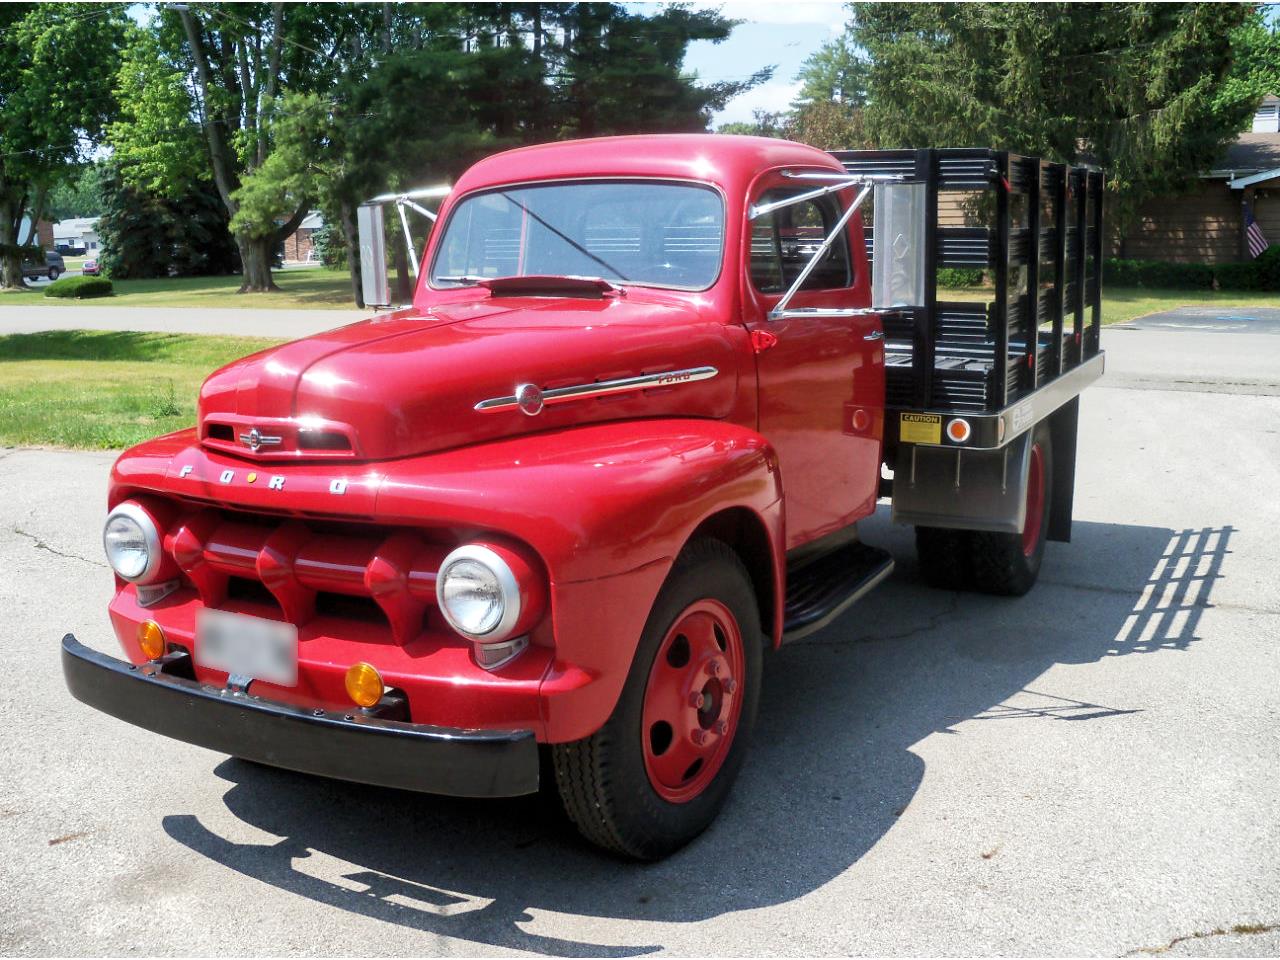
{"type": "Point", "coordinates": [692, 701]}
{"type": "Point", "coordinates": [1035, 502]}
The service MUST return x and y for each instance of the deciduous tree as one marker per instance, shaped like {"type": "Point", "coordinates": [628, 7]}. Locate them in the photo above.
{"type": "Point", "coordinates": [202, 94]}
{"type": "Point", "coordinates": [52, 106]}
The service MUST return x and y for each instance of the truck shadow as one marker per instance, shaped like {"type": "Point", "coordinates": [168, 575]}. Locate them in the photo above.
{"type": "Point", "coordinates": [830, 773]}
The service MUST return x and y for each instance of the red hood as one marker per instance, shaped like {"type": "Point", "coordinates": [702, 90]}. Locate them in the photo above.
{"type": "Point", "coordinates": [409, 384]}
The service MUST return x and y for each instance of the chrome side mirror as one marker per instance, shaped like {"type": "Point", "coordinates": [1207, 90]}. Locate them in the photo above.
{"type": "Point", "coordinates": [897, 259]}
{"type": "Point", "coordinates": [373, 255]}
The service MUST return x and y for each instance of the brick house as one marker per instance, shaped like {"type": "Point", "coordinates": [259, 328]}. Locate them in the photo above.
{"type": "Point", "coordinates": [1206, 225]}
{"type": "Point", "coordinates": [44, 233]}
{"type": "Point", "coordinates": [299, 246]}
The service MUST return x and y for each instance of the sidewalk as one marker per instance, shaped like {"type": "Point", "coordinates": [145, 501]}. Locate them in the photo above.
{"type": "Point", "coordinates": [285, 324]}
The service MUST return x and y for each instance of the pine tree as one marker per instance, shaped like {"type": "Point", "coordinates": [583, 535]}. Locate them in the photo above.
{"type": "Point", "coordinates": [1133, 87]}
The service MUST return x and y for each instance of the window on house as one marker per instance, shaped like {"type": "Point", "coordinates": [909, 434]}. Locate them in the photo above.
{"type": "Point", "coordinates": [783, 241]}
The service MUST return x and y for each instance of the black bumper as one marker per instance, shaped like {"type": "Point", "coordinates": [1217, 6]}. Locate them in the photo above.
{"type": "Point", "coordinates": [163, 698]}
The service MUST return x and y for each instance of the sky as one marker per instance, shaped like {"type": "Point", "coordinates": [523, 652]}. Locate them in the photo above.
{"type": "Point", "coordinates": [780, 33]}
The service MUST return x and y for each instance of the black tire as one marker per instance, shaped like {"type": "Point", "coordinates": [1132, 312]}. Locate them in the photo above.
{"type": "Point", "coordinates": [1000, 562]}
{"type": "Point", "coordinates": [944, 557]}
{"type": "Point", "coordinates": [53, 273]}
{"type": "Point", "coordinates": [602, 779]}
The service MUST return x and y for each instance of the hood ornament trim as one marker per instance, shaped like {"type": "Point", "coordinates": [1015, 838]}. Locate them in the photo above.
{"type": "Point", "coordinates": [255, 439]}
{"type": "Point", "coordinates": [527, 391]}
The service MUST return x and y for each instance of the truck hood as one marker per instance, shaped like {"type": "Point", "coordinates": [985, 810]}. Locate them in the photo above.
{"type": "Point", "coordinates": [409, 384]}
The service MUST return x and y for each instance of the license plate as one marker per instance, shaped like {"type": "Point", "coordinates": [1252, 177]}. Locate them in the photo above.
{"type": "Point", "coordinates": [247, 646]}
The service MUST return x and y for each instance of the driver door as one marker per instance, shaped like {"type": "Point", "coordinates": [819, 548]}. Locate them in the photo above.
{"type": "Point", "coordinates": [820, 379]}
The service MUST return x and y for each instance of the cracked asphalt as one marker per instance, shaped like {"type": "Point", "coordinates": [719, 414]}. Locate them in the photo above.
{"type": "Point", "coordinates": [1092, 769]}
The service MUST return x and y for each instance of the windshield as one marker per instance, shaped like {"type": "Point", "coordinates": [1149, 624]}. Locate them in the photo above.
{"type": "Point", "coordinates": [656, 234]}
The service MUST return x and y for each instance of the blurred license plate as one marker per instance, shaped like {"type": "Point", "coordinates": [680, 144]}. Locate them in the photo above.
{"type": "Point", "coordinates": [247, 646]}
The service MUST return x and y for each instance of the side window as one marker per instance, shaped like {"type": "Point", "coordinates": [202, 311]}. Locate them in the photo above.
{"type": "Point", "coordinates": [783, 241]}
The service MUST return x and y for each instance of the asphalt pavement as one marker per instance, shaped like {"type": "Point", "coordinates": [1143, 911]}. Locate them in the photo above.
{"type": "Point", "coordinates": [1091, 769]}
{"type": "Point", "coordinates": [228, 321]}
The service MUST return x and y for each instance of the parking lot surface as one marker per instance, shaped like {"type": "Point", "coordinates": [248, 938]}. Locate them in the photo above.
{"type": "Point", "coordinates": [1091, 769]}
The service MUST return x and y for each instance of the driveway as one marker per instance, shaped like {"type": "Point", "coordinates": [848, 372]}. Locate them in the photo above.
{"type": "Point", "coordinates": [1091, 769]}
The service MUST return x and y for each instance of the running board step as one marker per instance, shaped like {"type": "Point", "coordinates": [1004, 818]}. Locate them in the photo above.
{"type": "Point", "coordinates": [822, 589]}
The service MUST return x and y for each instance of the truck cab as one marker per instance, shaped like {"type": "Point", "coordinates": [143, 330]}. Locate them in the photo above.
{"type": "Point", "coordinates": [618, 446]}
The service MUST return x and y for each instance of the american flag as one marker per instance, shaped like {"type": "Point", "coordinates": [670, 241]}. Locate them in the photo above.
{"type": "Point", "coordinates": [1253, 233]}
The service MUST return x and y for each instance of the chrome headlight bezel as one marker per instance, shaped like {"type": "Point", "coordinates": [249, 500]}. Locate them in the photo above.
{"type": "Point", "coordinates": [508, 587]}
{"type": "Point", "coordinates": [135, 513]}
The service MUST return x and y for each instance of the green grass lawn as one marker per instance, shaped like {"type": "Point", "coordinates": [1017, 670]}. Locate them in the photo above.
{"type": "Point", "coordinates": [102, 389]}
{"type": "Point", "coordinates": [1128, 303]}
{"type": "Point", "coordinates": [301, 289]}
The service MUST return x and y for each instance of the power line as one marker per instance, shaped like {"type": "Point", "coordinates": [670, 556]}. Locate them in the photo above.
{"type": "Point", "coordinates": [283, 39]}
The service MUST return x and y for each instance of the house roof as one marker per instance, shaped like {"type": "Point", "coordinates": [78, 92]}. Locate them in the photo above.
{"type": "Point", "coordinates": [1252, 151]}
{"type": "Point", "coordinates": [312, 221]}
{"type": "Point", "coordinates": [75, 226]}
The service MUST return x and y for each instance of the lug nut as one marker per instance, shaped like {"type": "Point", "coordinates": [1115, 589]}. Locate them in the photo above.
{"type": "Point", "coordinates": [722, 728]}
{"type": "Point", "coordinates": [729, 685]}
{"type": "Point", "coordinates": [713, 668]}
{"type": "Point", "coordinates": [698, 738]}
{"type": "Point", "coordinates": [696, 701]}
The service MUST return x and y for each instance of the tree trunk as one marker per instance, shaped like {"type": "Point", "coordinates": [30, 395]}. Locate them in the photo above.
{"type": "Point", "coordinates": [10, 260]}
{"type": "Point", "coordinates": [403, 292]}
{"type": "Point", "coordinates": [255, 264]}
{"type": "Point", "coordinates": [351, 237]}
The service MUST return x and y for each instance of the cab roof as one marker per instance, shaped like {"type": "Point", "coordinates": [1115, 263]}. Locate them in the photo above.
{"type": "Point", "coordinates": [729, 162]}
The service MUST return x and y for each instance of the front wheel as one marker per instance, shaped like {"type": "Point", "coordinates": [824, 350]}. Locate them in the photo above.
{"type": "Point", "coordinates": [656, 774]}
{"type": "Point", "coordinates": [53, 273]}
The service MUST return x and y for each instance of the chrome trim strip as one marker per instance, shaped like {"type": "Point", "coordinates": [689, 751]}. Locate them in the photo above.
{"type": "Point", "coordinates": [601, 388]}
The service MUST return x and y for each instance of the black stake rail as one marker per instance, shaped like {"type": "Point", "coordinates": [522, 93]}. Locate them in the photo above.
{"type": "Point", "coordinates": [1042, 249]}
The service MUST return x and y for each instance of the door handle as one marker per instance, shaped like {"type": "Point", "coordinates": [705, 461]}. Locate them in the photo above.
{"type": "Point", "coordinates": [874, 335]}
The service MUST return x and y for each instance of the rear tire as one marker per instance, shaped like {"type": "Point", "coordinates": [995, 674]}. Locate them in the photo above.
{"type": "Point", "coordinates": [53, 273]}
{"type": "Point", "coordinates": [656, 774]}
{"type": "Point", "coordinates": [944, 557]}
{"type": "Point", "coordinates": [1008, 564]}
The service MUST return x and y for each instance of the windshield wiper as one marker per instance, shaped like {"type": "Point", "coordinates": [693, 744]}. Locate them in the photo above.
{"type": "Point", "coordinates": [463, 278]}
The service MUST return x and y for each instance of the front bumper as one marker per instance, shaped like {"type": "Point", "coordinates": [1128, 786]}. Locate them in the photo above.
{"type": "Point", "coordinates": [165, 698]}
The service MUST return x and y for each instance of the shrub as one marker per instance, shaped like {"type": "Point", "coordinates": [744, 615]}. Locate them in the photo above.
{"type": "Point", "coordinates": [79, 288]}
{"type": "Point", "coordinates": [1238, 276]}
{"type": "Point", "coordinates": [1157, 273]}
{"type": "Point", "coordinates": [1268, 267]}
{"type": "Point", "coordinates": [959, 277]}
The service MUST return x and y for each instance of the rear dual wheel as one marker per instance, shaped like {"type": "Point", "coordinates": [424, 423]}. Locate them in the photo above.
{"type": "Point", "coordinates": [1007, 564]}
{"type": "Point", "coordinates": [656, 774]}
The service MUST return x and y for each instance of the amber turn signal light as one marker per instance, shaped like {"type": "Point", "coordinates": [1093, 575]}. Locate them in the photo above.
{"type": "Point", "coordinates": [151, 639]}
{"type": "Point", "coordinates": [364, 684]}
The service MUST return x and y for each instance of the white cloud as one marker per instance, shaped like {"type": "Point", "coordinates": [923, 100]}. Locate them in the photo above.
{"type": "Point", "coordinates": [770, 97]}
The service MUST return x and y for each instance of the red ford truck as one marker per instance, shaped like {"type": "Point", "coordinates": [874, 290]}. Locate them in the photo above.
{"type": "Point", "coordinates": [546, 521]}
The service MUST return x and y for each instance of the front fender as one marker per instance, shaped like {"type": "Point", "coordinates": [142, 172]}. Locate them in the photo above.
{"type": "Point", "coordinates": [608, 508]}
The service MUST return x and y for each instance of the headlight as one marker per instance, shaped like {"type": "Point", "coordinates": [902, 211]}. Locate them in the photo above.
{"type": "Point", "coordinates": [487, 592]}
{"type": "Point", "coordinates": [132, 543]}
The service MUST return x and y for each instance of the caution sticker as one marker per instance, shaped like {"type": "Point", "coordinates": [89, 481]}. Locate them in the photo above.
{"type": "Point", "coordinates": [920, 428]}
